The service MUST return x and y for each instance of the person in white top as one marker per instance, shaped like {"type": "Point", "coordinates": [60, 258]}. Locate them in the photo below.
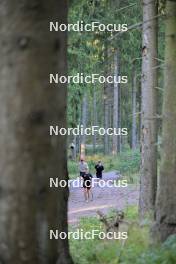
{"type": "Point", "coordinates": [83, 167]}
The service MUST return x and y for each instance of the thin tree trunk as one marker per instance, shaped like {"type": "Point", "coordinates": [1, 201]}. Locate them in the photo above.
{"type": "Point", "coordinates": [106, 125]}
{"type": "Point", "coordinates": [149, 109]}
{"type": "Point", "coordinates": [94, 118]}
{"type": "Point", "coordinates": [75, 148]}
{"type": "Point", "coordinates": [134, 118]}
{"type": "Point", "coordinates": [106, 107]}
{"type": "Point", "coordinates": [115, 104]}
{"type": "Point", "coordinates": [119, 139]}
{"type": "Point", "coordinates": [29, 156]}
{"type": "Point", "coordinates": [166, 196]}
{"type": "Point", "coordinates": [72, 148]}
{"type": "Point", "coordinates": [84, 123]}
{"type": "Point", "coordinates": [139, 110]}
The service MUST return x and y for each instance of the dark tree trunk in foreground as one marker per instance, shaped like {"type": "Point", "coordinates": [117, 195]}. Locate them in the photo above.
{"type": "Point", "coordinates": [166, 196]}
{"type": "Point", "coordinates": [28, 155]}
{"type": "Point", "coordinates": [149, 109]}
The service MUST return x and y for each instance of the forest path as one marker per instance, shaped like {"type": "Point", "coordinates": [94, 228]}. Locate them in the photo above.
{"type": "Point", "coordinates": [105, 198]}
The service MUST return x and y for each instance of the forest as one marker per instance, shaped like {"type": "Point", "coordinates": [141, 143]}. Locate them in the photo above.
{"type": "Point", "coordinates": [84, 84]}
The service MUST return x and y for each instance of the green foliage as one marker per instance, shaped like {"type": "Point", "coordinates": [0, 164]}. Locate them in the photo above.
{"type": "Point", "coordinates": [73, 170]}
{"type": "Point", "coordinates": [135, 250]}
{"type": "Point", "coordinates": [109, 251]}
{"type": "Point", "coordinates": [86, 53]}
{"type": "Point", "coordinates": [163, 254]}
{"type": "Point", "coordinates": [84, 251]}
{"type": "Point", "coordinates": [126, 163]}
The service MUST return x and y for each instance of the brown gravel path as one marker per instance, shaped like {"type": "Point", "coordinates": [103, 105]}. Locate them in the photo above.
{"type": "Point", "coordinates": [105, 198]}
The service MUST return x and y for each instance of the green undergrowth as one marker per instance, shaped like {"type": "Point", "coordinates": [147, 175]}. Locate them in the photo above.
{"type": "Point", "coordinates": [127, 163]}
{"type": "Point", "coordinates": [135, 250]}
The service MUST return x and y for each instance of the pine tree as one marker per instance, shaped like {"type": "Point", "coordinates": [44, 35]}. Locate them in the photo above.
{"type": "Point", "coordinates": [166, 206]}
{"type": "Point", "coordinates": [29, 156]}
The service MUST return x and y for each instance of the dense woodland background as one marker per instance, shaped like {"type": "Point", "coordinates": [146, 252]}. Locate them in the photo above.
{"type": "Point", "coordinates": [146, 105]}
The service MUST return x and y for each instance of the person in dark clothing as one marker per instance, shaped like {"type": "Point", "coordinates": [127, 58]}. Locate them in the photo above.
{"type": "Point", "coordinates": [87, 184]}
{"type": "Point", "coordinates": [99, 169]}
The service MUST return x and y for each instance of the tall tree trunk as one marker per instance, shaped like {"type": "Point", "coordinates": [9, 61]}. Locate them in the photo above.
{"type": "Point", "coordinates": [84, 123]}
{"type": "Point", "coordinates": [139, 110]}
{"type": "Point", "coordinates": [115, 104]}
{"type": "Point", "coordinates": [29, 156]}
{"type": "Point", "coordinates": [166, 196]}
{"type": "Point", "coordinates": [94, 118]}
{"type": "Point", "coordinates": [72, 148]}
{"type": "Point", "coordinates": [106, 122]}
{"type": "Point", "coordinates": [119, 139]}
{"type": "Point", "coordinates": [134, 118]}
{"type": "Point", "coordinates": [149, 98]}
{"type": "Point", "coordinates": [106, 104]}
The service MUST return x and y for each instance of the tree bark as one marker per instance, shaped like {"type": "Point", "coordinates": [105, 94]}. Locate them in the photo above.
{"type": "Point", "coordinates": [115, 105]}
{"type": "Point", "coordinates": [106, 123]}
{"type": "Point", "coordinates": [166, 196]}
{"type": "Point", "coordinates": [119, 139]}
{"type": "Point", "coordinates": [106, 105]}
{"type": "Point", "coordinates": [134, 118]}
{"type": "Point", "coordinates": [149, 99]}
{"type": "Point", "coordinates": [94, 118]}
{"type": "Point", "coordinates": [29, 156]}
{"type": "Point", "coordinates": [84, 123]}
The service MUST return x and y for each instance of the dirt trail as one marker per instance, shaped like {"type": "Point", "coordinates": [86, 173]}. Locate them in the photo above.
{"type": "Point", "coordinates": [105, 198]}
